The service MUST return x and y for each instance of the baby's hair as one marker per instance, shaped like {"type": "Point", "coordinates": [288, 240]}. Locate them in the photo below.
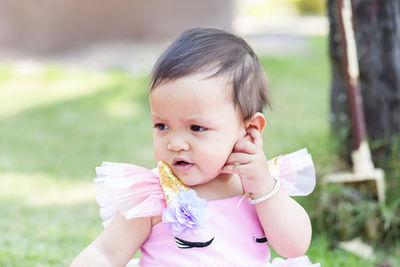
{"type": "Point", "coordinates": [223, 54]}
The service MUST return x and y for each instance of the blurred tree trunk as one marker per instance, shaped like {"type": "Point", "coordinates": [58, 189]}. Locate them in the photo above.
{"type": "Point", "coordinates": [377, 33]}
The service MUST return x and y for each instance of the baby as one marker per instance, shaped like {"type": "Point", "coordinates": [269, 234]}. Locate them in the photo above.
{"type": "Point", "coordinates": [214, 200]}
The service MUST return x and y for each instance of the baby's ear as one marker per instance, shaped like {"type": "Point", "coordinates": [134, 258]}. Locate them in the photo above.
{"type": "Point", "coordinates": [258, 122]}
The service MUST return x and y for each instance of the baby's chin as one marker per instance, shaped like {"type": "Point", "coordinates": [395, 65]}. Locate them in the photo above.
{"type": "Point", "coordinates": [191, 181]}
{"type": "Point", "coordinates": [216, 176]}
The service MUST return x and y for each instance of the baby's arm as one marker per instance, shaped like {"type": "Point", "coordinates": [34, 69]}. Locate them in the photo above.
{"type": "Point", "coordinates": [285, 222]}
{"type": "Point", "coordinates": [117, 244]}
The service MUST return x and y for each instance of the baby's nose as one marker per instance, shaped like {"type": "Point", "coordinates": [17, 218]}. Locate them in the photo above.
{"type": "Point", "coordinates": [178, 144]}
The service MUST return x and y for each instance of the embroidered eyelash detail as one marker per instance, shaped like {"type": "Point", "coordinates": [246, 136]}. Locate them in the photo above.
{"type": "Point", "coordinates": [260, 239]}
{"type": "Point", "coordinates": [180, 243]}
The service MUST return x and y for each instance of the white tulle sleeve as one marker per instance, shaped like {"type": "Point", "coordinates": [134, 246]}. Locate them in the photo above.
{"type": "Point", "coordinates": [129, 189]}
{"type": "Point", "coordinates": [296, 172]}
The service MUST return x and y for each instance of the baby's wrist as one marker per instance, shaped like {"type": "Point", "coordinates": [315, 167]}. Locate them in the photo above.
{"type": "Point", "coordinates": [265, 191]}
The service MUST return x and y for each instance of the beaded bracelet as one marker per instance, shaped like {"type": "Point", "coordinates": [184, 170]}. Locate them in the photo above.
{"type": "Point", "coordinates": [270, 194]}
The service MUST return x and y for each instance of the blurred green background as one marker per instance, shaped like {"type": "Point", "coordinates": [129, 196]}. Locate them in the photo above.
{"type": "Point", "coordinates": [58, 123]}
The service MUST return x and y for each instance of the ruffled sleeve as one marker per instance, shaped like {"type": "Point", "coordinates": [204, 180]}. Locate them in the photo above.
{"type": "Point", "coordinates": [136, 191]}
{"type": "Point", "coordinates": [132, 190]}
{"type": "Point", "coordinates": [296, 172]}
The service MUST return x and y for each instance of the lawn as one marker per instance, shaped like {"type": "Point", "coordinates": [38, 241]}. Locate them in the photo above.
{"type": "Point", "coordinates": [57, 125]}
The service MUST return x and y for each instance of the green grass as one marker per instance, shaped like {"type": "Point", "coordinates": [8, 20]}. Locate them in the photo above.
{"type": "Point", "coordinates": [56, 125]}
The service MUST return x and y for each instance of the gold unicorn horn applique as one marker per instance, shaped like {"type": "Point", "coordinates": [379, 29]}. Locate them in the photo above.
{"type": "Point", "coordinates": [170, 184]}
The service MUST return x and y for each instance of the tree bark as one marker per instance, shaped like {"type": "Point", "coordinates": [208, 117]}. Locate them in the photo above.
{"type": "Point", "coordinates": [377, 33]}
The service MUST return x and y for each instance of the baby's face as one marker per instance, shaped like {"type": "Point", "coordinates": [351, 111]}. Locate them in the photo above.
{"type": "Point", "coordinates": [195, 126]}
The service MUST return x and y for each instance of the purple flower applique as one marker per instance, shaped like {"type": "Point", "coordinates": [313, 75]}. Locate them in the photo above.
{"type": "Point", "coordinates": [186, 213]}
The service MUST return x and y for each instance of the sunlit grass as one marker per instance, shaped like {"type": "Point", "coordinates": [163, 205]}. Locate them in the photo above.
{"type": "Point", "coordinates": [62, 136]}
{"type": "Point", "coordinates": [56, 126]}
{"type": "Point", "coordinates": [44, 219]}
{"type": "Point", "coordinates": [42, 190]}
{"type": "Point", "coordinates": [22, 90]}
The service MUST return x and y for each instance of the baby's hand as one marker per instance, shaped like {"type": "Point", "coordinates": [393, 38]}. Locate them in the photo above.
{"type": "Point", "coordinates": [249, 162]}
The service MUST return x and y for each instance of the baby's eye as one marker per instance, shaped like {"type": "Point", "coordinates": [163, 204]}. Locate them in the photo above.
{"type": "Point", "coordinates": [197, 128]}
{"type": "Point", "coordinates": [161, 126]}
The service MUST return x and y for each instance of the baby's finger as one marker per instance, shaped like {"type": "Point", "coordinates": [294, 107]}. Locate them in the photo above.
{"type": "Point", "coordinates": [256, 136]}
{"type": "Point", "coordinates": [235, 168]}
{"type": "Point", "coordinates": [235, 158]}
{"type": "Point", "coordinates": [245, 146]}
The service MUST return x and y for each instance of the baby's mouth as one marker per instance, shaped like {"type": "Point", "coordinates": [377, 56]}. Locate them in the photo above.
{"type": "Point", "coordinates": [181, 163]}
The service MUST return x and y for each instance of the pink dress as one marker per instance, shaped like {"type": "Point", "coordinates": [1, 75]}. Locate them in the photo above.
{"type": "Point", "coordinates": [232, 236]}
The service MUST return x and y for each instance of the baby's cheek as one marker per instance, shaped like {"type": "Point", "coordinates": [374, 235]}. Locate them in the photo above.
{"type": "Point", "coordinates": [158, 150]}
{"type": "Point", "coordinates": [219, 155]}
